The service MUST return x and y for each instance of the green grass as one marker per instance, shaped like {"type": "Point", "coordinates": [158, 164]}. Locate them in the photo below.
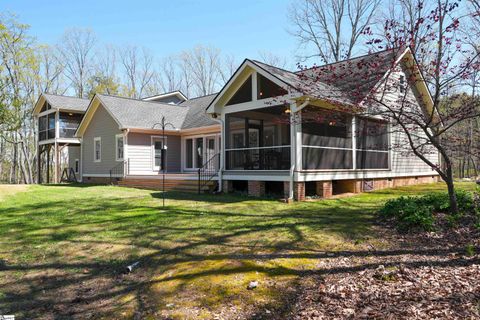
{"type": "Point", "coordinates": [62, 248]}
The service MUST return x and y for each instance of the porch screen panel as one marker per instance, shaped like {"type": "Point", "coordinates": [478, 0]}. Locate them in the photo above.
{"type": "Point", "coordinates": [320, 158]}
{"type": "Point", "coordinates": [258, 140]}
{"type": "Point", "coordinates": [372, 144]}
{"type": "Point", "coordinates": [326, 140]}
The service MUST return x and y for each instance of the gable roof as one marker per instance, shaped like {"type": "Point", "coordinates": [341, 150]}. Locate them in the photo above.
{"type": "Point", "coordinates": [61, 103]}
{"type": "Point", "coordinates": [146, 115]}
{"type": "Point", "coordinates": [355, 77]}
{"type": "Point", "coordinates": [196, 116]}
{"type": "Point", "coordinates": [139, 114]}
{"type": "Point", "coordinates": [347, 82]}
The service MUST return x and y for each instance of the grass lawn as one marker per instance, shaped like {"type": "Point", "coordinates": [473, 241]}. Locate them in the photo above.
{"type": "Point", "coordinates": [63, 249]}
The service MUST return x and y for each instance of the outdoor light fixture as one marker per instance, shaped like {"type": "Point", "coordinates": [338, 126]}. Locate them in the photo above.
{"type": "Point", "coordinates": [288, 110]}
{"type": "Point", "coordinates": [70, 114]}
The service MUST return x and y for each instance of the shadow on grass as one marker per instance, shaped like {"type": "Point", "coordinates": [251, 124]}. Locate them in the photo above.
{"type": "Point", "coordinates": [191, 229]}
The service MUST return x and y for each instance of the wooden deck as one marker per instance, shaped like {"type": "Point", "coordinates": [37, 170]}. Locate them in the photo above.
{"type": "Point", "coordinates": [184, 182]}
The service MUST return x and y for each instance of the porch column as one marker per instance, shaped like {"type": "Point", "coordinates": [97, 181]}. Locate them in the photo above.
{"type": "Point", "coordinates": [256, 188]}
{"type": "Point", "coordinates": [324, 189]}
{"type": "Point", "coordinates": [56, 165]}
{"type": "Point", "coordinates": [299, 191]}
{"type": "Point", "coordinates": [39, 165]}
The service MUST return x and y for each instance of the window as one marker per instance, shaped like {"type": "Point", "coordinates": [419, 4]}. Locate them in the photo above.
{"type": "Point", "coordinates": [77, 165]}
{"type": "Point", "coordinates": [189, 153]}
{"type": "Point", "coordinates": [119, 147]}
{"type": "Point", "coordinates": [97, 149]}
{"type": "Point", "coordinates": [267, 88]}
{"type": "Point", "coordinates": [243, 94]}
{"type": "Point", "coordinates": [402, 84]}
{"type": "Point", "coordinates": [372, 144]}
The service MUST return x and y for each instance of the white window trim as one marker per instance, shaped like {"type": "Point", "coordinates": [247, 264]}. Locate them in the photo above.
{"type": "Point", "coordinates": [77, 166]}
{"type": "Point", "coordinates": [117, 136]}
{"type": "Point", "coordinates": [152, 150]}
{"type": "Point", "coordinates": [95, 150]}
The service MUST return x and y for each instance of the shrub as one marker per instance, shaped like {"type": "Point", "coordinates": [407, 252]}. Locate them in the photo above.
{"type": "Point", "coordinates": [409, 213]}
{"type": "Point", "coordinates": [417, 213]}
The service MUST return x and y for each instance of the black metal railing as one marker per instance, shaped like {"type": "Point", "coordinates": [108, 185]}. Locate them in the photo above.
{"type": "Point", "coordinates": [118, 171]}
{"type": "Point", "coordinates": [208, 171]}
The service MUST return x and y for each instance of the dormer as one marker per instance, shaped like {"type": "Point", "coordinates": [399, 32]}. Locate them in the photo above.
{"type": "Point", "coordinates": [174, 97]}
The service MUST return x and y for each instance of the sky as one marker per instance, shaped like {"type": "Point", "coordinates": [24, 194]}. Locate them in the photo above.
{"type": "Point", "coordinates": [242, 28]}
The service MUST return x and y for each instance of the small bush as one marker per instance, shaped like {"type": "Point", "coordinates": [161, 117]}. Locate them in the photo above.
{"type": "Point", "coordinates": [417, 213]}
{"type": "Point", "coordinates": [470, 250]}
{"type": "Point", "coordinates": [409, 213]}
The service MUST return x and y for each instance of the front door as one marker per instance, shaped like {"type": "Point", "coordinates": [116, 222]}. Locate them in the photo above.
{"type": "Point", "coordinates": [157, 154]}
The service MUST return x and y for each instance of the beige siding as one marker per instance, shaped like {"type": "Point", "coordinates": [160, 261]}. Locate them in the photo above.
{"type": "Point", "coordinates": [140, 154]}
{"type": "Point", "coordinates": [74, 153]}
{"type": "Point", "coordinates": [403, 160]}
{"type": "Point", "coordinates": [104, 126]}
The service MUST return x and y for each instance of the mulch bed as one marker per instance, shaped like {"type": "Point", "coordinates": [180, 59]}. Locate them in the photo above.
{"type": "Point", "coordinates": [422, 276]}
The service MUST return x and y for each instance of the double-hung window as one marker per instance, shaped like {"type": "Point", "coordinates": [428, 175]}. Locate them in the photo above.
{"type": "Point", "coordinates": [119, 146]}
{"type": "Point", "coordinates": [97, 149]}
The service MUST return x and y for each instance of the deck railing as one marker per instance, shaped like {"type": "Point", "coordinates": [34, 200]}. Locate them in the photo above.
{"type": "Point", "coordinates": [119, 171]}
{"type": "Point", "coordinates": [208, 171]}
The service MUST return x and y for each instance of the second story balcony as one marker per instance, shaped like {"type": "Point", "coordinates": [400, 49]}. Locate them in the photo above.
{"type": "Point", "coordinates": [58, 125]}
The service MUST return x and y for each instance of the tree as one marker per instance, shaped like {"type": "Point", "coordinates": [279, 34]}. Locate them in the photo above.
{"type": "Point", "coordinates": [202, 64]}
{"type": "Point", "coordinates": [427, 129]}
{"type": "Point", "coordinates": [76, 48]}
{"type": "Point", "coordinates": [19, 67]}
{"type": "Point", "coordinates": [333, 28]}
{"type": "Point", "coordinates": [138, 70]}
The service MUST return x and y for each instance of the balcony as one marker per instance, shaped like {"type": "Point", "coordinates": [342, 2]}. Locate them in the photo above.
{"type": "Point", "coordinates": [67, 125]}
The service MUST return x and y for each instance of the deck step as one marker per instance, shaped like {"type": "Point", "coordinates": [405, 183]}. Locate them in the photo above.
{"type": "Point", "coordinates": [170, 184]}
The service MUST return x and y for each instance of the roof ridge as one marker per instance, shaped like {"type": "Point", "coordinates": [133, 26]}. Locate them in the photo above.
{"type": "Point", "coordinates": [256, 61]}
{"type": "Point", "coordinates": [199, 97]}
{"type": "Point", "coordinates": [64, 96]}
{"type": "Point", "coordinates": [346, 60]}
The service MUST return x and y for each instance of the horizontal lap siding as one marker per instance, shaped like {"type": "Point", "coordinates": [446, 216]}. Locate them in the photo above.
{"type": "Point", "coordinates": [403, 159]}
{"type": "Point", "coordinates": [104, 126]}
{"type": "Point", "coordinates": [73, 153]}
{"type": "Point", "coordinates": [140, 153]}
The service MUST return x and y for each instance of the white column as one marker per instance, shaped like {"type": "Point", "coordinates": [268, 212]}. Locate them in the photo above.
{"type": "Point", "coordinates": [354, 142]}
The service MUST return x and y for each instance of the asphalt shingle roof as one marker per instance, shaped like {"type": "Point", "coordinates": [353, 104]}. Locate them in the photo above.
{"type": "Point", "coordinates": [196, 116]}
{"type": "Point", "coordinates": [348, 81]}
{"type": "Point", "coordinates": [67, 103]}
{"type": "Point", "coordinates": [139, 114]}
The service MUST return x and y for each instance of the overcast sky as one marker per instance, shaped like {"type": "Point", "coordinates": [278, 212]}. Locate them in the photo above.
{"type": "Point", "coordinates": [241, 28]}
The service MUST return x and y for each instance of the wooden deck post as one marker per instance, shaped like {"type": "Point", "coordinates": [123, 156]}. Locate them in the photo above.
{"type": "Point", "coordinates": [48, 163]}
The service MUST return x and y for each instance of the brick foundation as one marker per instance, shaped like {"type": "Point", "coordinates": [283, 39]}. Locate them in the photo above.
{"type": "Point", "coordinates": [256, 188]}
{"type": "Point", "coordinates": [98, 180]}
{"type": "Point", "coordinates": [299, 191]}
{"type": "Point", "coordinates": [227, 186]}
{"type": "Point", "coordinates": [286, 189]}
{"type": "Point", "coordinates": [324, 189]}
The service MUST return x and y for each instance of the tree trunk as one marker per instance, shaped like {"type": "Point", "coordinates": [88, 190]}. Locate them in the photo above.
{"type": "Point", "coordinates": [451, 189]}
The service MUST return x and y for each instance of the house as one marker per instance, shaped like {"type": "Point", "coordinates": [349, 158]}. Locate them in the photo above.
{"type": "Point", "coordinates": [268, 130]}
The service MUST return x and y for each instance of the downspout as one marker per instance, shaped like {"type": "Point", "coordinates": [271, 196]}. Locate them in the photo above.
{"type": "Point", "coordinates": [222, 152]}
{"type": "Point", "coordinates": [293, 137]}
{"type": "Point", "coordinates": [126, 160]}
